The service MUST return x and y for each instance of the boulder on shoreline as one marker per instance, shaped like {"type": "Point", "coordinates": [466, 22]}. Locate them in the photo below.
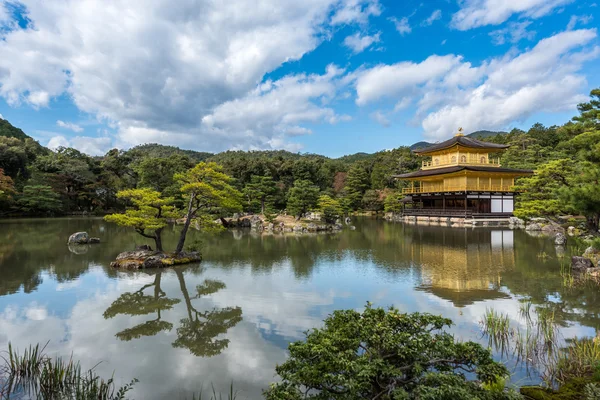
{"type": "Point", "coordinates": [581, 264]}
{"type": "Point", "coordinates": [560, 239]}
{"type": "Point", "coordinates": [141, 259]}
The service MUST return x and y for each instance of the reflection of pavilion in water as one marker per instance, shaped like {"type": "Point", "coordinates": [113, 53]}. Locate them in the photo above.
{"type": "Point", "coordinates": [465, 266]}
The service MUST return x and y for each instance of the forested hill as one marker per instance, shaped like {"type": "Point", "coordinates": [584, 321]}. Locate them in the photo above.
{"type": "Point", "coordinates": [159, 150]}
{"type": "Point", "coordinates": [7, 130]}
{"type": "Point", "coordinates": [35, 180]}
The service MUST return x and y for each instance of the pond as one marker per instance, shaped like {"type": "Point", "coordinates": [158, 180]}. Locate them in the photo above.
{"type": "Point", "coordinates": [230, 318]}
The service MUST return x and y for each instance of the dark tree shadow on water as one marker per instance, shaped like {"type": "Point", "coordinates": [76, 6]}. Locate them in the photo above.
{"type": "Point", "coordinates": [198, 332]}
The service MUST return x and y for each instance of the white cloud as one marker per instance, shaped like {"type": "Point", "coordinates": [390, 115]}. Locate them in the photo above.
{"type": "Point", "coordinates": [513, 33]}
{"type": "Point", "coordinates": [38, 98]}
{"type": "Point", "coordinates": [93, 146]}
{"type": "Point", "coordinates": [352, 11]}
{"type": "Point", "coordinates": [152, 67]}
{"type": "Point", "coordinates": [475, 13]}
{"type": "Point", "coordinates": [390, 80]}
{"type": "Point", "coordinates": [380, 118]}
{"type": "Point", "coordinates": [579, 19]}
{"type": "Point", "coordinates": [277, 107]}
{"type": "Point", "coordinates": [358, 43]}
{"type": "Point", "coordinates": [57, 141]}
{"type": "Point", "coordinates": [402, 25]}
{"type": "Point", "coordinates": [70, 126]}
{"type": "Point", "coordinates": [1, 116]}
{"type": "Point", "coordinates": [437, 14]}
{"type": "Point", "coordinates": [543, 79]}
{"type": "Point", "coordinates": [451, 92]}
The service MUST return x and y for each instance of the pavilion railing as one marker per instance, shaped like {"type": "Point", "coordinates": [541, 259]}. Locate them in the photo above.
{"type": "Point", "coordinates": [432, 212]}
{"type": "Point", "coordinates": [462, 188]}
{"type": "Point", "coordinates": [487, 162]}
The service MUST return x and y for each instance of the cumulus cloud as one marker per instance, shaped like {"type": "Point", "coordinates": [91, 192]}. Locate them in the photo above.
{"type": "Point", "coordinates": [69, 125]}
{"type": "Point", "coordinates": [161, 69]}
{"type": "Point", "coordinates": [513, 33]}
{"type": "Point", "coordinates": [475, 13]}
{"type": "Point", "coordinates": [93, 146]}
{"type": "Point", "coordinates": [543, 79]}
{"type": "Point", "coordinates": [390, 80]}
{"type": "Point", "coordinates": [402, 25]}
{"type": "Point", "coordinates": [437, 14]}
{"type": "Point", "coordinates": [277, 107]}
{"type": "Point", "coordinates": [358, 43]}
{"type": "Point", "coordinates": [451, 92]}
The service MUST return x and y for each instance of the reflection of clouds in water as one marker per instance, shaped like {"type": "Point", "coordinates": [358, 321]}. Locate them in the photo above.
{"type": "Point", "coordinates": [160, 368]}
{"type": "Point", "coordinates": [278, 303]}
{"type": "Point", "coordinates": [35, 312]}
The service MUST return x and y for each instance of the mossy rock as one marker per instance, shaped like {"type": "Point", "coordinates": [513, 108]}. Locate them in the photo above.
{"type": "Point", "coordinates": [142, 259]}
{"type": "Point", "coordinates": [572, 390]}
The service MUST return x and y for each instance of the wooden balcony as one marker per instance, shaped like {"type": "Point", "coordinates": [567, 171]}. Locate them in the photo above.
{"type": "Point", "coordinates": [487, 163]}
{"type": "Point", "coordinates": [462, 188]}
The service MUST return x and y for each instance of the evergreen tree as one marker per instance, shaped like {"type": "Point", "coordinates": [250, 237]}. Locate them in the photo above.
{"type": "Point", "coordinates": [261, 189]}
{"type": "Point", "coordinates": [357, 184]}
{"type": "Point", "coordinates": [39, 199]}
{"type": "Point", "coordinates": [148, 216]}
{"type": "Point", "coordinates": [303, 197]}
{"type": "Point", "coordinates": [210, 195]}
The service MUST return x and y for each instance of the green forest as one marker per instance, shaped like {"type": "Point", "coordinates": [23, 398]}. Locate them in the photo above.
{"type": "Point", "coordinates": [35, 180]}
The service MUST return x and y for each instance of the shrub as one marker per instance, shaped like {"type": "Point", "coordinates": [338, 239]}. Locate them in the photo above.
{"type": "Point", "coordinates": [386, 354]}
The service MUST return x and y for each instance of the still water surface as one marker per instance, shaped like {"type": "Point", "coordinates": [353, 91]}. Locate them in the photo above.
{"type": "Point", "coordinates": [230, 318]}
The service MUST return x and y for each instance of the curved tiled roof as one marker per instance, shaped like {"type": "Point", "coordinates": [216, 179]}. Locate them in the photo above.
{"type": "Point", "coordinates": [464, 141]}
{"type": "Point", "coordinates": [456, 168]}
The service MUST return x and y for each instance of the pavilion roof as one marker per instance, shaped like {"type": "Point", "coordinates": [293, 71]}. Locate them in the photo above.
{"type": "Point", "coordinates": [456, 168]}
{"type": "Point", "coordinates": [464, 141]}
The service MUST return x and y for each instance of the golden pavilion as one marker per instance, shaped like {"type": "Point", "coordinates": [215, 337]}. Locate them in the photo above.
{"type": "Point", "coordinates": [461, 177]}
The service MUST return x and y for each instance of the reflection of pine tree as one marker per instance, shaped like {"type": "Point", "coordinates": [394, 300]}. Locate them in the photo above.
{"type": "Point", "coordinates": [138, 303]}
{"type": "Point", "coordinates": [199, 330]}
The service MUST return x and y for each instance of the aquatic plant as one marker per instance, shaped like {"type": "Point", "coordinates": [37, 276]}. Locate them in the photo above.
{"type": "Point", "coordinates": [230, 395]}
{"type": "Point", "coordinates": [40, 376]}
{"type": "Point", "coordinates": [580, 359]}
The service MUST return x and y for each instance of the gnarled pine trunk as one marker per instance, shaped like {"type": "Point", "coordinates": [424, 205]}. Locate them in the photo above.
{"type": "Point", "coordinates": [186, 225]}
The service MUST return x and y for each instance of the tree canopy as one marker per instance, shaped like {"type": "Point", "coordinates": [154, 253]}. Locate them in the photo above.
{"type": "Point", "coordinates": [385, 354]}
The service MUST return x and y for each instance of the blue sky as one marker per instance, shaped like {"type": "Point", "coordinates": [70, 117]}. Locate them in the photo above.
{"type": "Point", "coordinates": [324, 76]}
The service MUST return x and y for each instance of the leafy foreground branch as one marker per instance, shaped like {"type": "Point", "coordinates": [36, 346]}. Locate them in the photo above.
{"type": "Point", "coordinates": [384, 354]}
{"type": "Point", "coordinates": [35, 375]}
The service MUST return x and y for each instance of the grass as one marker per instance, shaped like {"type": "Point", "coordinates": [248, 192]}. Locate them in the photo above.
{"type": "Point", "coordinates": [230, 395]}
{"type": "Point", "coordinates": [39, 376]}
{"type": "Point", "coordinates": [542, 255]}
{"type": "Point", "coordinates": [580, 359]}
{"type": "Point", "coordinates": [496, 326]}
{"type": "Point", "coordinates": [533, 342]}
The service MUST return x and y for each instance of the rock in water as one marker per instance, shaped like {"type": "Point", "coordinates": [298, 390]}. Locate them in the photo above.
{"type": "Point", "coordinates": [79, 238]}
{"type": "Point", "coordinates": [593, 254]}
{"type": "Point", "coordinates": [533, 227]}
{"type": "Point", "coordinates": [581, 264]}
{"type": "Point", "coordinates": [560, 239]}
{"type": "Point", "coordinates": [94, 240]}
